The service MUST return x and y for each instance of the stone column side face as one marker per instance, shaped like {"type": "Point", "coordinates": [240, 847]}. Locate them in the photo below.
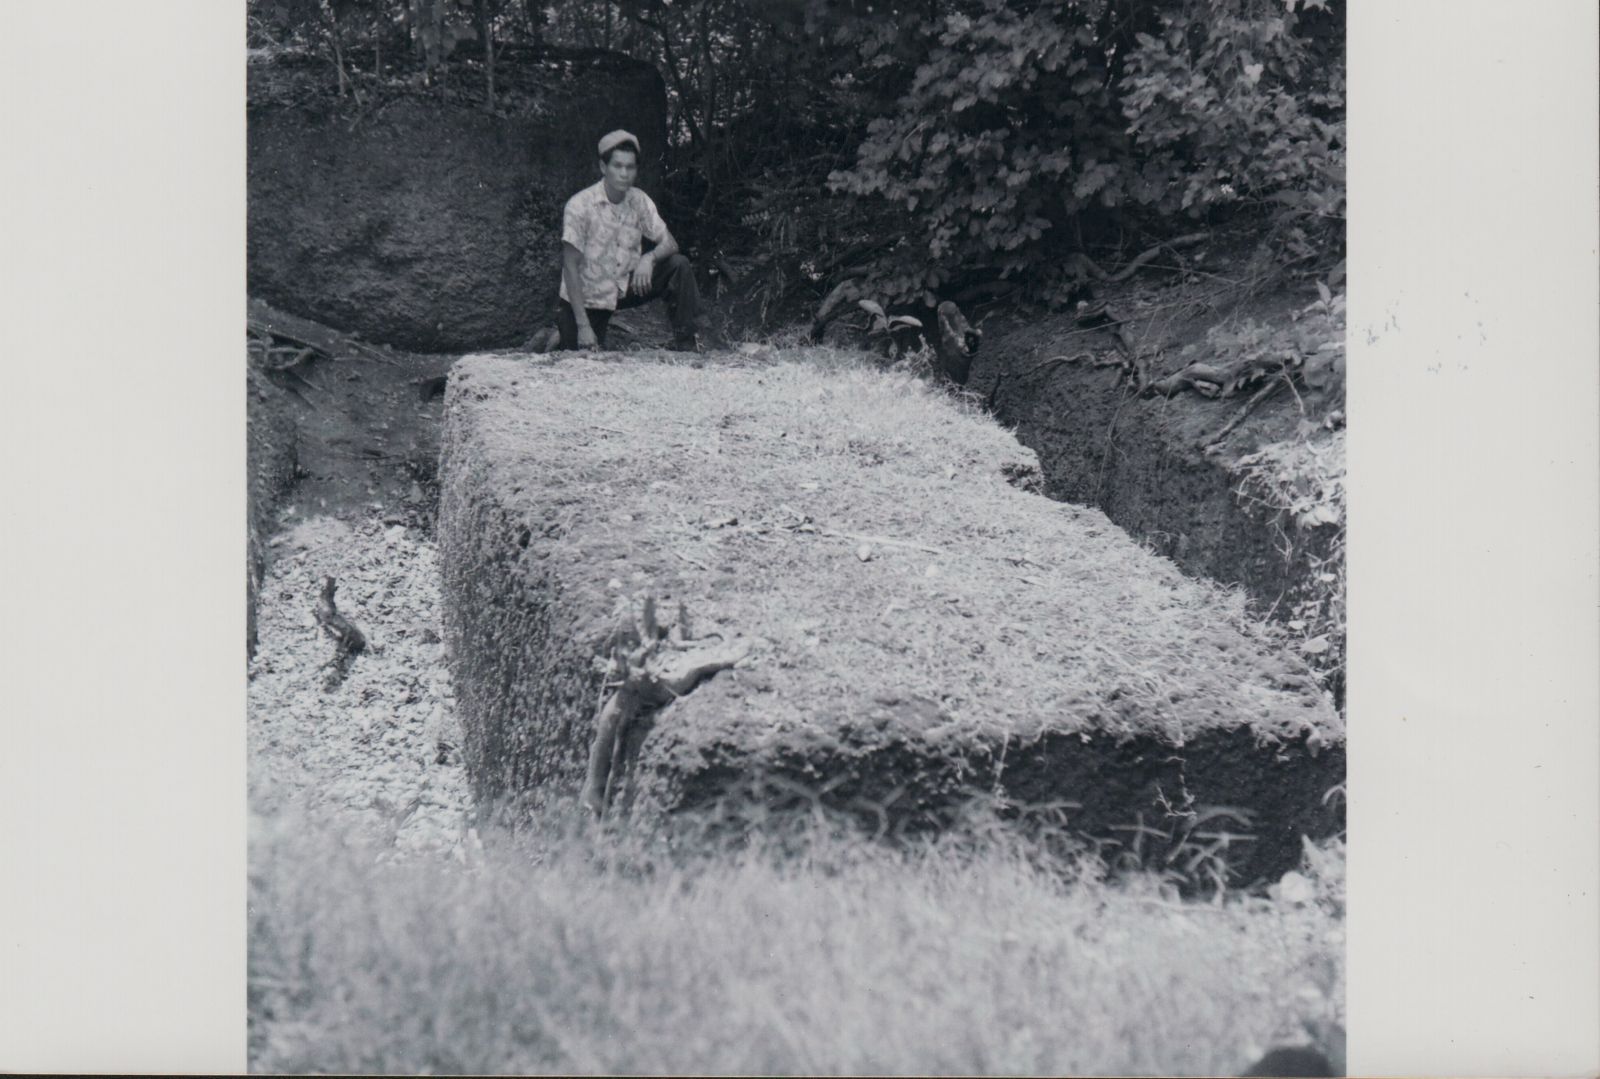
{"type": "Point", "coordinates": [525, 687]}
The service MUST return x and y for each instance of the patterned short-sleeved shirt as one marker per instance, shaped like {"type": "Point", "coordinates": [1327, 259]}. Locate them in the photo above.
{"type": "Point", "coordinates": [608, 234]}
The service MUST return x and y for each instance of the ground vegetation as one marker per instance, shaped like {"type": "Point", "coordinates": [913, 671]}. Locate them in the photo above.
{"type": "Point", "coordinates": [936, 149]}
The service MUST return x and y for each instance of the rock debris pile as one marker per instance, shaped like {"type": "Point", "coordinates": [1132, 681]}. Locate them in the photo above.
{"type": "Point", "coordinates": [373, 756]}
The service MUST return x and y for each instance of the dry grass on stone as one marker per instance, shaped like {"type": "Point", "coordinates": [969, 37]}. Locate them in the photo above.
{"type": "Point", "coordinates": [858, 525]}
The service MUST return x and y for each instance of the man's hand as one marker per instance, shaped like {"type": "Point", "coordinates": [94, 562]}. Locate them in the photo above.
{"type": "Point", "coordinates": [586, 337]}
{"type": "Point", "coordinates": [643, 274]}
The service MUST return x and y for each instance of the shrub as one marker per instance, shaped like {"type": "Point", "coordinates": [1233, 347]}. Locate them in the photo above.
{"type": "Point", "coordinates": [1013, 122]}
{"type": "Point", "coordinates": [1224, 113]}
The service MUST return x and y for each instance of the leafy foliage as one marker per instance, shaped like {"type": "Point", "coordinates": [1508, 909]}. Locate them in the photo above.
{"type": "Point", "coordinates": [1220, 109]}
{"type": "Point", "coordinates": [927, 146]}
{"type": "Point", "coordinates": [993, 141]}
{"type": "Point", "coordinates": [1016, 120]}
{"type": "Point", "coordinates": [1313, 336]}
{"type": "Point", "coordinates": [1300, 483]}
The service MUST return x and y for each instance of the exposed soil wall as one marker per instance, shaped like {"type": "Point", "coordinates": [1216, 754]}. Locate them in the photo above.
{"type": "Point", "coordinates": [425, 222]}
{"type": "Point", "coordinates": [271, 456]}
{"type": "Point", "coordinates": [1142, 461]}
{"type": "Point", "coordinates": [1036, 653]}
{"type": "Point", "coordinates": [1154, 800]}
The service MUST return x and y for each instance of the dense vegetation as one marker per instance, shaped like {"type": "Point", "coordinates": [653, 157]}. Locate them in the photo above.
{"type": "Point", "coordinates": [932, 148]}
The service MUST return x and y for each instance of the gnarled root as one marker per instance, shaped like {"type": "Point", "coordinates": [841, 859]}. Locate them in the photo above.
{"type": "Point", "coordinates": [348, 641]}
{"type": "Point", "coordinates": [1242, 412]}
{"type": "Point", "coordinates": [650, 666]}
{"type": "Point", "coordinates": [1211, 380]}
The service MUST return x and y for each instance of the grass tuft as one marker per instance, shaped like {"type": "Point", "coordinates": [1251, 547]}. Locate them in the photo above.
{"type": "Point", "coordinates": [578, 950]}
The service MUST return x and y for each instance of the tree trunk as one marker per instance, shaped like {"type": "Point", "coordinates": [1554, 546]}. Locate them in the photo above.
{"type": "Point", "coordinates": [338, 62]}
{"type": "Point", "coordinates": [488, 59]}
{"type": "Point", "coordinates": [436, 36]}
{"type": "Point", "coordinates": [685, 101]}
{"type": "Point", "coordinates": [483, 10]}
{"type": "Point", "coordinates": [708, 71]}
{"type": "Point", "coordinates": [330, 26]}
{"type": "Point", "coordinates": [533, 11]}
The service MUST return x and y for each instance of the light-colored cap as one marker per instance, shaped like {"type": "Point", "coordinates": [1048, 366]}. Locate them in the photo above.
{"type": "Point", "coordinates": [615, 139]}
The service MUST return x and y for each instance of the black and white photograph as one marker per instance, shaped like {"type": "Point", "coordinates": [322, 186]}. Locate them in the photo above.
{"type": "Point", "coordinates": [804, 537]}
{"type": "Point", "coordinates": [797, 538]}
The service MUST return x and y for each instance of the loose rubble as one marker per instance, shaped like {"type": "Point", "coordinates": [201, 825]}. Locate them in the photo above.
{"type": "Point", "coordinates": [375, 756]}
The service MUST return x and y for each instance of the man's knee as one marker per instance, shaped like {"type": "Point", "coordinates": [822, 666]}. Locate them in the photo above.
{"type": "Point", "coordinates": [677, 277]}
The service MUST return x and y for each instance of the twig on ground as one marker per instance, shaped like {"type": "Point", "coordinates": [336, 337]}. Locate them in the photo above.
{"type": "Point", "coordinates": [1076, 357]}
{"type": "Point", "coordinates": [1204, 273]}
{"type": "Point", "coordinates": [349, 641]}
{"type": "Point", "coordinates": [266, 323]}
{"type": "Point", "coordinates": [1089, 268]}
{"type": "Point", "coordinates": [1244, 410]}
{"type": "Point", "coordinates": [1298, 400]}
{"type": "Point", "coordinates": [1210, 380]}
{"type": "Point", "coordinates": [290, 372]}
{"type": "Point", "coordinates": [367, 455]}
{"type": "Point", "coordinates": [881, 540]}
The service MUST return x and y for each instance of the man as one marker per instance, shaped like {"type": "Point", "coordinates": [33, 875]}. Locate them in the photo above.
{"type": "Point", "coordinates": [602, 270]}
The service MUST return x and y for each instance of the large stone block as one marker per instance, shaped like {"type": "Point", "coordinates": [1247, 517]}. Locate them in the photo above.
{"type": "Point", "coordinates": [432, 225]}
{"type": "Point", "coordinates": [921, 629]}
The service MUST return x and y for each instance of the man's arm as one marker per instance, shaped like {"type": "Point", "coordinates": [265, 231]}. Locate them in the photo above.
{"type": "Point", "coordinates": [572, 276]}
{"type": "Point", "coordinates": [645, 269]}
{"type": "Point", "coordinates": [667, 247]}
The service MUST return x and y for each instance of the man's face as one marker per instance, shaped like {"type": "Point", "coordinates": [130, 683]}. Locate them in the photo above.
{"type": "Point", "coordinates": [620, 171]}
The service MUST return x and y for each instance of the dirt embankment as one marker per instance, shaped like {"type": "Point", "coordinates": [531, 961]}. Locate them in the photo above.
{"type": "Point", "coordinates": [418, 219]}
{"type": "Point", "coordinates": [1141, 461]}
{"type": "Point", "coordinates": [1242, 509]}
{"type": "Point", "coordinates": [919, 630]}
{"type": "Point", "coordinates": [272, 458]}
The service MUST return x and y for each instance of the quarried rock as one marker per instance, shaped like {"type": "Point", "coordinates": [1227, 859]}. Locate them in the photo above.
{"type": "Point", "coordinates": [995, 643]}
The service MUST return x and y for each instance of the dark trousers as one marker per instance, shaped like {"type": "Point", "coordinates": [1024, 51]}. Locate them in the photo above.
{"type": "Point", "coordinates": [672, 281]}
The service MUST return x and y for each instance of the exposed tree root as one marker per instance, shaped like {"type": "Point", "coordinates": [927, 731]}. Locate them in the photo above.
{"type": "Point", "coordinates": [1085, 356]}
{"type": "Point", "coordinates": [643, 677]}
{"type": "Point", "coordinates": [1211, 380]}
{"type": "Point", "coordinates": [1244, 410]}
{"type": "Point", "coordinates": [957, 340]}
{"type": "Point", "coordinates": [348, 641]}
{"type": "Point", "coordinates": [845, 292]}
{"type": "Point", "coordinates": [306, 339]}
{"type": "Point", "coordinates": [1085, 267]}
